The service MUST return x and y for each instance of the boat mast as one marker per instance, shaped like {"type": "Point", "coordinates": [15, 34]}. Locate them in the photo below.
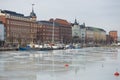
{"type": "Point", "coordinates": [53, 32]}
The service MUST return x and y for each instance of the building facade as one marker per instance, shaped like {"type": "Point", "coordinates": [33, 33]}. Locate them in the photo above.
{"type": "Point", "coordinates": [83, 33]}
{"type": "Point", "coordinates": [95, 35]}
{"type": "Point", "coordinates": [49, 32]}
{"type": "Point", "coordinates": [20, 29]}
{"type": "Point", "coordinates": [89, 35]}
{"type": "Point", "coordinates": [23, 30]}
{"type": "Point", "coordinates": [65, 30]}
{"type": "Point", "coordinates": [76, 32]}
{"type": "Point", "coordinates": [55, 31]}
{"type": "Point", "coordinates": [2, 34]}
{"type": "Point", "coordinates": [113, 36]}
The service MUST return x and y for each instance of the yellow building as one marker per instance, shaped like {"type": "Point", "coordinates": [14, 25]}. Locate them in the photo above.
{"type": "Point", "coordinates": [95, 35]}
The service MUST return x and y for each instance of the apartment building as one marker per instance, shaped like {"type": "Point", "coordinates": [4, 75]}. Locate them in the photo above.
{"type": "Point", "coordinates": [78, 32]}
{"type": "Point", "coordinates": [95, 35]}
{"type": "Point", "coordinates": [49, 32]}
{"type": "Point", "coordinates": [20, 29]}
{"type": "Point", "coordinates": [113, 36]}
{"type": "Point", "coordinates": [65, 30]}
{"type": "Point", "coordinates": [2, 34]}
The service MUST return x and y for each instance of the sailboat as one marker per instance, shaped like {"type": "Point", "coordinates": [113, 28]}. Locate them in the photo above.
{"type": "Point", "coordinates": [55, 45]}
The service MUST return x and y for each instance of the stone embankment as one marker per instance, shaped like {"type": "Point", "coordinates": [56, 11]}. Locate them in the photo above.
{"type": "Point", "coordinates": [8, 48]}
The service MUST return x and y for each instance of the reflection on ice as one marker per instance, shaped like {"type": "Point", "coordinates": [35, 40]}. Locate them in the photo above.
{"type": "Point", "coordinates": [83, 64]}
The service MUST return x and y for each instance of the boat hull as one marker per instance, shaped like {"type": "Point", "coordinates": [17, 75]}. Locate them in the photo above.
{"type": "Point", "coordinates": [35, 49]}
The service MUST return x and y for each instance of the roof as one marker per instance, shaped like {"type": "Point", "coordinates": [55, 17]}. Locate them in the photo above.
{"type": "Point", "coordinates": [82, 26]}
{"type": "Point", "coordinates": [94, 29]}
{"type": "Point", "coordinates": [49, 23]}
{"type": "Point", "coordinates": [12, 13]}
{"type": "Point", "coordinates": [113, 31]}
{"type": "Point", "coordinates": [32, 14]}
{"type": "Point", "coordinates": [18, 14]}
{"type": "Point", "coordinates": [62, 22]}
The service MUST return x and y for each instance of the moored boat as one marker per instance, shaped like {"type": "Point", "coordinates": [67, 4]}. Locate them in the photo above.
{"type": "Point", "coordinates": [73, 46]}
{"type": "Point", "coordinates": [45, 47]}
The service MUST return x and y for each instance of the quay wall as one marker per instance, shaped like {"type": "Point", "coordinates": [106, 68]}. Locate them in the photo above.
{"type": "Point", "coordinates": [8, 49]}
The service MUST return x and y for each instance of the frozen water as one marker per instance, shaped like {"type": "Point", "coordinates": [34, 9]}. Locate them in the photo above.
{"type": "Point", "coordinates": [82, 64]}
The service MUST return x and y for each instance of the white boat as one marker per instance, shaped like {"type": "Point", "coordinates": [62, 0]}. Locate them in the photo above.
{"type": "Point", "coordinates": [73, 46]}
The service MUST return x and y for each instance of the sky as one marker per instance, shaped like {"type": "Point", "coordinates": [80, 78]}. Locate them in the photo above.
{"type": "Point", "coordinates": [103, 14]}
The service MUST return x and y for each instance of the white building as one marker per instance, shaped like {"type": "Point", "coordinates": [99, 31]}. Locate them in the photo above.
{"type": "Point", "coordinates": [2, 32]}
{"type": "Point", "coordinates": [83, 32]}
{"type": "Point", "coordinates": [76, 30]}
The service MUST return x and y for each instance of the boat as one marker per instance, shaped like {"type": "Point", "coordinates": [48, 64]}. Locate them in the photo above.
{"type": "Point", "coordinates": [44, 47]}
{"type": "Point", "coordinates": [35, 47]}
{"type": "Point", "coordinates": [28, 49]}
{"type": "Point", "coordinates": [73, 46]}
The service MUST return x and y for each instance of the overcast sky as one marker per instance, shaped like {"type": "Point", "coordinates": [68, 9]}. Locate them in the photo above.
{"type": "Point", "coordinates": [98, 13]}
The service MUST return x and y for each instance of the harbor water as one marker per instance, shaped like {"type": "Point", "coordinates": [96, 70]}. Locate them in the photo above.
{"type": "Point", "coordinates": [94, 63]}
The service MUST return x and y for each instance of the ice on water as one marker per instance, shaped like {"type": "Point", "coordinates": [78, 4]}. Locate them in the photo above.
{"type": "Point", "coordinates": [83, 64]}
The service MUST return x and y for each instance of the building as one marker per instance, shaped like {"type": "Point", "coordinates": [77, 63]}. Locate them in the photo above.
{"type": "Point", "coordinates": [20, 29]}
{"type": "Point", "coordinates": [118, 39]}
{"type": "Point", "coordinates": [2, 34]}
{"type": "Point", "coordinates": [23, 30]}
{"type": "Point", "coordinates": [49, 32]}
{"type": "Point", "coordinates": [113, 36]}
{"type": "Point", "coordinates": [89, 35]}
{"type": "Point", "coordinates": [65, 30]}
{"type": "Point", "coordinates": [55, 31]}
{"type": "Point", "coordinates": [108, 42]}
{"type": "Point", "coordinates": [95, 35]}
{"type": "Point", "coordinates": [76, 34]}
{"type": "Point", "coordinates": [83, 33]}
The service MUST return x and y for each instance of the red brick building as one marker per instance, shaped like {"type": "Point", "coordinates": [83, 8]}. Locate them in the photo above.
{"type": "Point", "coordinates": [20, 29]}
{"type": "Point", "coordinates": [65, 30]}
{"type": "Point", "coordinates": [113, 36]}
{"type": "Point", "coordinates": [62, 31]}
{"type": "Point", "coordinates": [23, 30]}
{"type": "Point", "coordinates": [49, 32]}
